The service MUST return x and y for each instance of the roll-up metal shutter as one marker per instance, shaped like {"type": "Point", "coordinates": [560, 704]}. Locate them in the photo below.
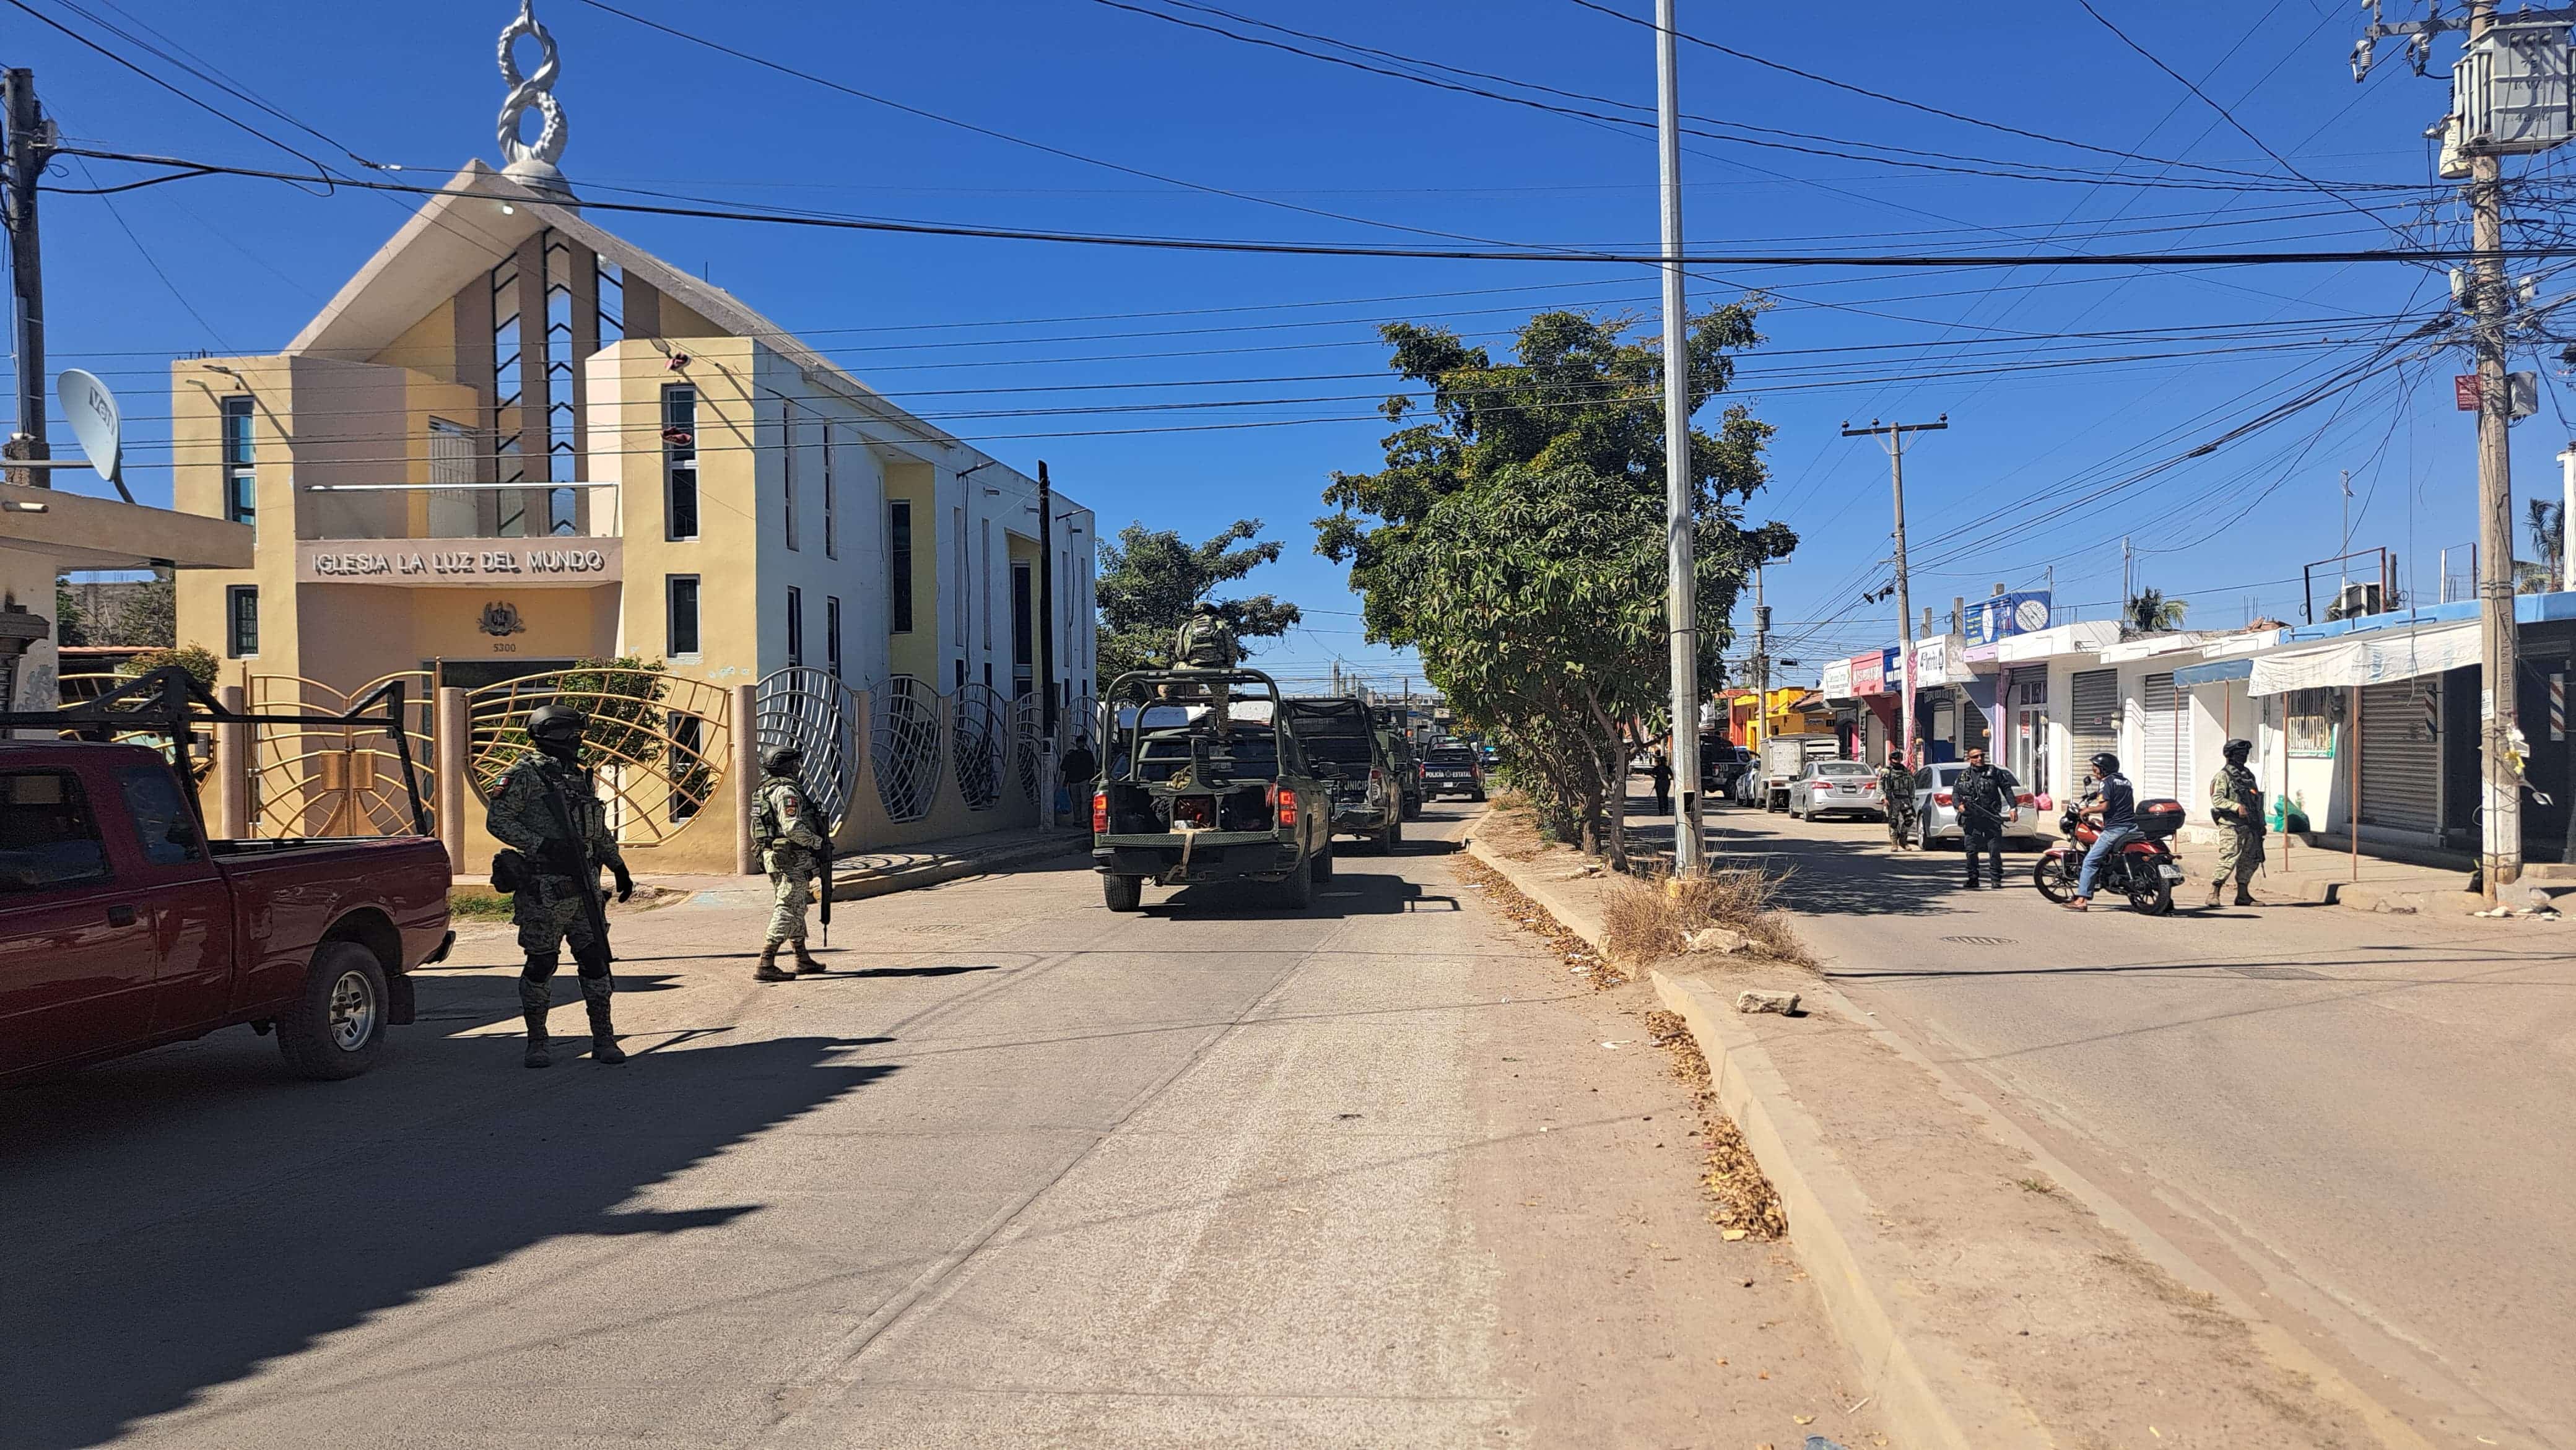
{"type": "Point", "coordinates": [2401, 757]}
{"type": "Point", "coordinates": [2096, 721]}
{"type": "Point", "coordinates": [2162, 769]}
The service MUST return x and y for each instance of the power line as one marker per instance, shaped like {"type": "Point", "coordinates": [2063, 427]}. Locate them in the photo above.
{"type": "Point", "coordinates": [1531, 253]}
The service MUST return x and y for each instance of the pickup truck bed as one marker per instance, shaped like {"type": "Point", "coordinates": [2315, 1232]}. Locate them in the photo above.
{"type": "Point", "coordinates": [121, 928]}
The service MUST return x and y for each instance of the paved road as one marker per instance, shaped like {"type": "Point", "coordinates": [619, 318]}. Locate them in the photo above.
{"type": "Point", "coordinates": [1019, 1172]}
{"type": "Point", "coordinates": [2366, 1118]}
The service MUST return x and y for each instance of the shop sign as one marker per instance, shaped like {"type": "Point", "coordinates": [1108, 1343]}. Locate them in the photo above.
{"type": "Point", "coordinates": [1869, 674]}
{"type": "Point", "coordinates": [1836, 683]}
{"type": "Point", "coordinates": [573, 560]}
{"type": "Point", "coordinates": [1993, 618]}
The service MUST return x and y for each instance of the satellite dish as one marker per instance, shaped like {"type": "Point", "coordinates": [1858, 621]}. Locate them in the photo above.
{"type": "Point", "coordinates": [96, 422]}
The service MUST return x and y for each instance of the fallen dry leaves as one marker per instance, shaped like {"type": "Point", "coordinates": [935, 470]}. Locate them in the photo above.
{"type": "Point", "coordinates": [1580, 959]}
{"type": "Point", "coordinates": [1743, 1201]}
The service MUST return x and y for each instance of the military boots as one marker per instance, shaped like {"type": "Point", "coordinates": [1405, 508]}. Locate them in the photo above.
{"type": "Point", "coordinates": [534, 999]}
{"type": "Point", "coordinates": [2216, 885]}
{"type": "Point", "coordinates": [768, 970]}
{"type": "Point", "coordinates": [595, 992]}
{"type": "Point", "coordinates": [805, 963]}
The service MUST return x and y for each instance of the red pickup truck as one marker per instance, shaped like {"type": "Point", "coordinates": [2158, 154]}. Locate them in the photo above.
{"type": "Point", "coordinates": [123, 927]}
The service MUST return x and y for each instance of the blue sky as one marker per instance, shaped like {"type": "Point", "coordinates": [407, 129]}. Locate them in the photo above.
{"type": "Point", "coordinates": [2052, 383]}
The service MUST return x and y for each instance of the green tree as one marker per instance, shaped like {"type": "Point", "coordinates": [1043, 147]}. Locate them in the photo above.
{"type": "Point", "coordinates": [2548, 524]}
{"type": "Point", "coordinates": [2150, 612]}
{"type": "Point", "coordinates": [148, 614]}
{"type": "Point", "coordinates": [1149, 579]}
{"type": "Point", "coordinates": [196, 659]}
{"type": "Point", "coordinates": [1540, 614]}
{"type": "Point", "coordinates": [1579, 394]}
{"type": "Point", "coordinates": [71, 622]}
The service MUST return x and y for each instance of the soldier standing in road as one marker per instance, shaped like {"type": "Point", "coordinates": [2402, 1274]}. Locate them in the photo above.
{"type": "Point", "coordinates": [791, 844]}
{"type": "Point", "coordinates": [2236, 804]}
{"type": "Point", "coordinates": [1896, 792]}
{"type": "Point", "coordinates": [1987, 797]}
{"type": "Point", "coordinates": [546, 810]}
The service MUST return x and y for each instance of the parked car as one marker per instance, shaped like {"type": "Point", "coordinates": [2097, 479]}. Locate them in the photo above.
{"type": "Point", "coordinates": [1936, 814]}
{"type": "Point", "coordinates": [1179, 804]}
{"type": "Point", "coordinates": [1784, 758]}
{"type": "Point", "coordinates": [1345, 752]}
{"type": "Point", "coordinates": [1453, 770]}
{"type": "Point", "coordinates": [1836, 787]}
{"type": "Point", "coordinates": [122, 926]}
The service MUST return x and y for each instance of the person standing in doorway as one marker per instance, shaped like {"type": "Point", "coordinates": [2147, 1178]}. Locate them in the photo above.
{"type": "Point", "coordinates": [1661, 773]}
{"type": "Point", "coordinates": [1987, 801]}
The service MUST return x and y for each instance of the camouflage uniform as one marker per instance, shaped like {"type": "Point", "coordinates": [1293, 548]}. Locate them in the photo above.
{"type": "Point", "coordinates": [1896, 793]}
{"type": "Point", "coordinates": [792, 850]}
{"type": "Point", "coordinates": [548, 907]}
{"type": "Point", "coordinates": [2236, 804]}
{"type": "Point", "coordinates": [1205, 642]}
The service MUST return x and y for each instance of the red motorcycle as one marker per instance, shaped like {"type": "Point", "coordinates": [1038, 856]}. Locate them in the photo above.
{"type": "Point", "coordinates": [2143, 870]}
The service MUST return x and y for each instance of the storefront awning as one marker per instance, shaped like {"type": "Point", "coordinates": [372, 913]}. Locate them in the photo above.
{"type": "Point", "coordinates": [2212, 673]}
{"type": "Point", "coordinates": [2369, 659]}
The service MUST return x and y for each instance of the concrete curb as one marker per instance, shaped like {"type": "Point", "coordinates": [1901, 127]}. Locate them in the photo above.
{"type": "Point", "coordinates": [1932, 1399]}
{"type": "Point", "coordinates": [1579, 917]}
{"type": "Point", "coordinates": [940, 869]}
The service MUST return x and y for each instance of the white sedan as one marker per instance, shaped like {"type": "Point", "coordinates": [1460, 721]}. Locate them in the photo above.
{"type": "Point", "coordinates": [1836, 787]}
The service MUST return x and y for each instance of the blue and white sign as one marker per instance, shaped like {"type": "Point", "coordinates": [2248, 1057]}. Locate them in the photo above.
{"type": "Point", "coordinates": [2007, 614]}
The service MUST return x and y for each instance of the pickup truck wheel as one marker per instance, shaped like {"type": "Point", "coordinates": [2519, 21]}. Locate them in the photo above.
{"type": "Point", "coordinates": [1123, 893]}
{"type": "Point", "coordinates": [1323, 859]}
{"type": "Point", "coordinates": [337, 1027]}
{"type": "Point", "coordinates": [1297, 889]}
{"type": "Point", "coordinates": [1394, 837]}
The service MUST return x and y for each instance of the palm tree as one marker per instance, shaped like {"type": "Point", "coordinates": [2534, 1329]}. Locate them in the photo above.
{"type": "Point", "coordinates": [2150, 612]}
{"type": "Point", "coordinates": [2548, 524]}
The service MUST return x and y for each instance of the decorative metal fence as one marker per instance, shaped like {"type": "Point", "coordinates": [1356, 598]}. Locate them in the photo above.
{"type": "Point", "coordinates": [313, 780]}
{"type": "Point", "coordinates": [811, 711]}
{"type": "Point", "coordinates": [904, 747]}
{"type": "Point", "coordinates": [657, 742]}
{"type": "Point", "coordinates": [981, 745]}
{"type": "Point", "coordinates": [1028, 733]}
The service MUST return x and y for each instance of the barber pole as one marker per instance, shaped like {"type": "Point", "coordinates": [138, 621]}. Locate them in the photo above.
{"type": "Point", "coordinates": [2557, 706]}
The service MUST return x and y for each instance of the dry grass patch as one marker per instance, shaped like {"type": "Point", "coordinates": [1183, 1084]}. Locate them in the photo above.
{"type": "Point", "coordinates": [1645, 920]}
{"type": "Point", "coordinates": [1742, 1201]}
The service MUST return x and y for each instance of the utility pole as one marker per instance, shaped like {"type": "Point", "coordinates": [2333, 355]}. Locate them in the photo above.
{"type": "Point", "coordinates": [1680, 493]}
{"type": "Point", "coordinates": [1046, 604]}
{"type": "Point", "coordinates": [1761, 662]}
{"type": "Point", "coordinates": [2128, 592]}
{"type": "Point", "coordinates": [1895, 433]}
{"type": "Point", "coordinates": [2500, 859]}
{"type": "Point", "coordinates": [31, 148]}
{"type": "Point", "coordinates": [2503, 856]}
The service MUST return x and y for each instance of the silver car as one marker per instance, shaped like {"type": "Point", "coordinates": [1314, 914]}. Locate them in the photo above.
{"type": "Point", "coordinates": [1836, 787]}
{"type": "Point", "coordinates": [1936, 811]}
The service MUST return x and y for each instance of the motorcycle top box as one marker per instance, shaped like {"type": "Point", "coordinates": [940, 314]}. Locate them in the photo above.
{"type": "Point", "coordinates": [2159, 819]}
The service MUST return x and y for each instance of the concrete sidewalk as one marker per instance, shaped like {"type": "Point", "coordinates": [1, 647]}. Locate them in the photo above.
{"type": "Point", "coordinates": [876, 873]}
{"type": "Point", "coordinates": [1975, 1275]}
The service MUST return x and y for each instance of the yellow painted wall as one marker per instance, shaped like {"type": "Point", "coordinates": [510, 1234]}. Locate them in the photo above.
{"type": "Point", "coordinates": [725, 554]}
{"type": "Point", "coordinates": [917, 653]}
{"type": "Point", "coordinates": [428, 346]}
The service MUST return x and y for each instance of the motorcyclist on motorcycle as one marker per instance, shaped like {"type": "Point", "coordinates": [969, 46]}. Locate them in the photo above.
{"type": "Point", "coordinates": [2112, 805]}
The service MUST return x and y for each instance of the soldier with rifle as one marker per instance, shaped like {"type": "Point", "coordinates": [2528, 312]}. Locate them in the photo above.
{"type": "Point", "coordinates": [795, 847]}
{"type": "Point", "coordinates": [546, 812]}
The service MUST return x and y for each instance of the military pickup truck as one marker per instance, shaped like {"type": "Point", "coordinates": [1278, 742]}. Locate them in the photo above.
{"type": "Point", "coordinates": [1343, 743]}
{"type": "Point", "coordinates": [124, 924]}
{"type": "Point", "coordinates": [1184, 800]}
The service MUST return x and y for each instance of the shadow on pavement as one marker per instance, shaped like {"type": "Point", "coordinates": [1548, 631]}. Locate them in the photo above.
{"type": "Point", "coordinates": [179, 1219]}
{"type": "Point", "coordinates": [1353, 890]}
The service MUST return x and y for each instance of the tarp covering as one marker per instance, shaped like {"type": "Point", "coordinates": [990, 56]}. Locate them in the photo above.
{"type": "Point", "coordinates": [2212, 673]}
{"type": "Point", "coordinates": [2368, 659]}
